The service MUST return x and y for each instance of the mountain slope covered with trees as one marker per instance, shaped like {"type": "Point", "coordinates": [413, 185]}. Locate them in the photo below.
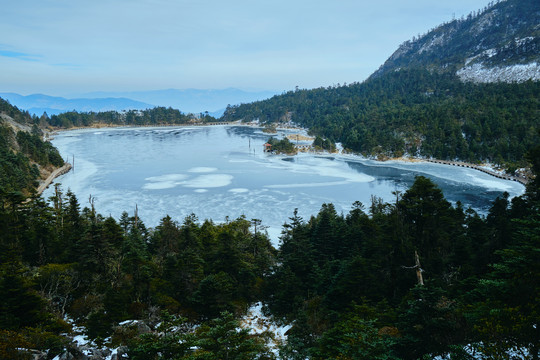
{"type": "Point", "coordinates": [414, 112]}
{"type": "Point", "coordinates": [349, 284]}
{"type": "Point", "coordinates": [149, 117]}
{"type": "Point", "coordinates": [24, 156]}
{"type": "Point", "coordinates": [412, 279]}
{"type": "Point", "coordinates": [503, 34]}
{"type": "Point", "coordinates": [416, 104]}
{"type": "Point", "coordinates": [404, 280]}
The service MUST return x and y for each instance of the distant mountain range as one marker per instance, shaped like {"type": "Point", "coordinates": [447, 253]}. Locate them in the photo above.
{"type": "Point", "coordinates": [38, 104]}
{"type": "Point", "coordinates": [187, 100]}
{"type": "Point", "coordinates": [191, 100]}
{"type": "Point", "coordinates": [500, 43]}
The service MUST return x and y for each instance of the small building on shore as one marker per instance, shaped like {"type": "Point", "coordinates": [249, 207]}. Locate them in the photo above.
{"type": "Point", "coordinates": [267, 147]}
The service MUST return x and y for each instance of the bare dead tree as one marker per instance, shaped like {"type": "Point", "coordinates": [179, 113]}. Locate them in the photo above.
{"type": "Point", "coordinates": [417, 267]}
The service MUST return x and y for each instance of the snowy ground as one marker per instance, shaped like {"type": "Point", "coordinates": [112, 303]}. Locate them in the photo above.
{"type": "Point", "coordinates": [478, 73]}
{"type": "Point", "coordinates": [258, 323]}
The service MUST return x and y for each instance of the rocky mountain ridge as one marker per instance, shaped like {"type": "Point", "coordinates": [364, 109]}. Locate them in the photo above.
{"type": "Point", "coordinates": [500, 43]}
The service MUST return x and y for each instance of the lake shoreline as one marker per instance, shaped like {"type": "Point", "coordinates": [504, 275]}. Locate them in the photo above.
{"type": "Point", "coordinates": [49, 133]}
{"type": "Point", "coordinates": [64, 169]}
{"type": "Point", "coordinates": [484, 167]}
{"type": "Point", "coordinates": [215, 171]}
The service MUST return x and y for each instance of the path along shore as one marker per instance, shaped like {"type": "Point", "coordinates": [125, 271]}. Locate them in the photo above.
{"type": "Point", "coordinates": [520, 180]}
{"type": "Point", "coordinates": [56, 173]}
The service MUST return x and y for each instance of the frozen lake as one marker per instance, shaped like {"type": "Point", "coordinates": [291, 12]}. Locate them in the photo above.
{"type": "Point", "coordinates": [221, 171]}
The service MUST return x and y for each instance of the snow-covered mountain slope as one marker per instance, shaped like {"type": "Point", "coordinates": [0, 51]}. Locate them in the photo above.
{"type": "Point", "coordinates": [479, 73]}
{"type": "Point", "coordinates": [500, 43]}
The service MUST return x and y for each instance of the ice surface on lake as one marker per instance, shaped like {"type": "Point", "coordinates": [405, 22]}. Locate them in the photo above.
{"type": "Point", "coordinates": [202, 169]}
{"type": "Point", "coordinates": [239, 190]}
{"type": "Point", "coordinates": [209, 181]}
{"type": "Point", "coordinates": [221, 171]}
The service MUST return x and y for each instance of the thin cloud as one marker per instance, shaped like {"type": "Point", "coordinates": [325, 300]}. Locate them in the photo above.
{"type": "Point", "coordinates": [18, 55]}
{"type": "Point", "coordinates": [156, 44]}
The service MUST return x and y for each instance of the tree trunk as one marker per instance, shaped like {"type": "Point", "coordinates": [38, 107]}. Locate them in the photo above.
{"type": "Point", "coordinates": [418, 269]}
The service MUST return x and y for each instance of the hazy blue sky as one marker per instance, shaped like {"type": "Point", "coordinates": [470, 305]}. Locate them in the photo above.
{"type": "Point", "coordinates": [61, 47]}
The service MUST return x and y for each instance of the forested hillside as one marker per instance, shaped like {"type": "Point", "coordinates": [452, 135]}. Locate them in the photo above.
{"type": "Point", "coordinates": [415, 112]}
{"type": "Point", "coordinates": [502, 35]}
{"type": "Point", "coordinates": [417, 103]}
{"type": "Point", "coordinates": [417, 278]}
{"type": "Point", "coordinates": [403, 280]}
{"type": "Point", "coordinates": [24, 157]}
{"type": "Point", "coordinates": [411, 280]}
{"type": "Point", "coordinates": [155, 116]}
{"type": "Point", "coordinates": [14, 113]}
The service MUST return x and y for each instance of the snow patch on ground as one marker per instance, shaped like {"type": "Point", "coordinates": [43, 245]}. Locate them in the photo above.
{"type": "Point", "coordinates": [484, 22]}
{"type": "Point", "coordinates": [114, 352]}
{"type": "Point", "coordinates": [81, 340]}
{"type": "Point", "coordinates": [129, 322]}
{"type": "Point", "coordinates": [520, 42]}
{"type": "Point", "coordinates": [486, 53]}
{"type": "Point", "coordinates": [258, 323]}
{"type": "Point", "coordinates": [478, 73]}
{"type": "Point", "coordinates": [437, 40]}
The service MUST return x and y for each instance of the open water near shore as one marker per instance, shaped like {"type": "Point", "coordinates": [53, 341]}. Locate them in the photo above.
{"type": "Point", "coordinates": [219, 171]}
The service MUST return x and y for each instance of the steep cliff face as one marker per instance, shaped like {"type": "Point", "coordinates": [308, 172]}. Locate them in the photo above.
{"type": "Point", "coordinates": [498, 43]}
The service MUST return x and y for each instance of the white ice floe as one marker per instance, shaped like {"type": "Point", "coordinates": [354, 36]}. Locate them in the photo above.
{"type": "Point", "coordinates": [209, 181]}
{"type": "Point", "coordinates": [202, 169]}
{"type": "Point", "coordinates": [160, 185]}
{"type": "Point", "coordinates": [306, 185]}
{"type": "Point", "coordinates": [167, 177]}
{"type": "Point", "coordinates": [202, 181]}
{"type": "Point", "coordinates": [167, 181]}
{"type": "Point", "coordinates": [238, 190]}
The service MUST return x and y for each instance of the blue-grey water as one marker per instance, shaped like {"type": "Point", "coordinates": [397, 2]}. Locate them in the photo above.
{"type": "Point", "coordinates": [221, 171]}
